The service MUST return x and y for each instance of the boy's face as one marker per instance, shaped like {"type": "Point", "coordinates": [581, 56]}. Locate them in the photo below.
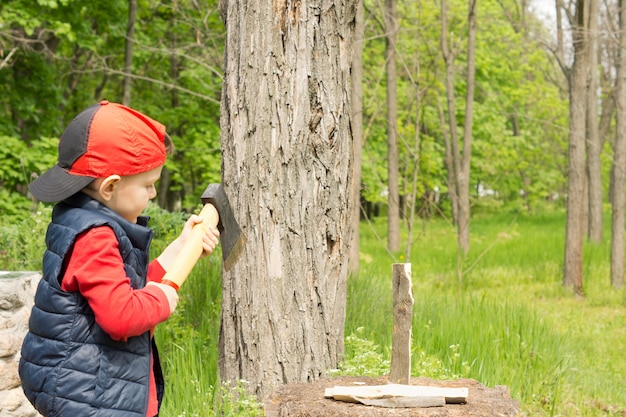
{"type": "Point", "coordinates": [132, 194]}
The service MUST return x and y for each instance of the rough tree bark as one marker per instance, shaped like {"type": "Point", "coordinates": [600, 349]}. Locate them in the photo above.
{"type": "Point", "coordinates": [357, 133]}
{"type": "Point", "coordinates": [618, 173]}
{"type": "Point", "coordinates": [287, 156]}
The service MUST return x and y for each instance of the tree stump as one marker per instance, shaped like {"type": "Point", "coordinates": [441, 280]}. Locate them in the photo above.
{"type": "Point", "coordinates": [307, 400]}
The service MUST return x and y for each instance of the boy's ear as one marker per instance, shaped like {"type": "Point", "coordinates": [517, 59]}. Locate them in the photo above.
{"type": "Point", "coordinates": [107, 186]}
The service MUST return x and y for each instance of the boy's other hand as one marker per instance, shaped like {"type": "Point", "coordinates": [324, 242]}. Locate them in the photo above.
{"type": "Point", "coordinates": [170, 293]}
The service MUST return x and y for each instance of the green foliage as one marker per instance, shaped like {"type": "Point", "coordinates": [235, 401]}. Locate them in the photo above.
{"type": "Point", "coordinates": [520, 117]}
{"type": "Point", "coordinates": [430, 366]}
{"type": "Point", "coordinates": [21, 164]}
{"type": "Point", "coordinates": [166, 225]}
{"type": "Point", "coordinates": [177, 63]}
{"type": "Point", "coordinates": [73, 55]}
{"type": "Point", "coordinates": [362, 357]}
{"type": "Point", "coordinates": [235, 400]}
{"type": "Point", "coordinates": [22, 239]}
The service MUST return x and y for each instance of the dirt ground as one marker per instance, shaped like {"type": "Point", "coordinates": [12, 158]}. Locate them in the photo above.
{"type": "Point", "coordinates": [307, 400]}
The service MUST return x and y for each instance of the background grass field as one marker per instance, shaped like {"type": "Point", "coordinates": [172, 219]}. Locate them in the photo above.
{"type": "Point", "coordinates": [505, 320]}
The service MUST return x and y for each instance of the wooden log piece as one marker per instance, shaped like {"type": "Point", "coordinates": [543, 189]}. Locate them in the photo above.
{"type": "Point", "coordinates": [398, 395]}
{"type": "Point", "coordinates": [402, 288]}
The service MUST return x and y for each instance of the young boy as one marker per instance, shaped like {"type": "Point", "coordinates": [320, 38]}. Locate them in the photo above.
{"type": "Point", "coordinates": [89, 350]}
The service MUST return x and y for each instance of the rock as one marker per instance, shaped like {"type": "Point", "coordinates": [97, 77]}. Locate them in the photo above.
{"type": "Point", "coordinates": [9, 377]}
{"type": "Point", "coordinates": [16, 299]}
{"type": "Point", "coordinates": [14, 404]}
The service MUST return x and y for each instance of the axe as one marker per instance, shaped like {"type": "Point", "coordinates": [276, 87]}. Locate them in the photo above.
{"type": "Point", "coordinates": [215, 212]}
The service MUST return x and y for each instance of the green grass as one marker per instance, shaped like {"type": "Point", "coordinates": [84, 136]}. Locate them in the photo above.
{"type": "Point", "coordinates": [506, 320]}
{"type": "Point", "coordinates": [188, 347]}
{"type": "Point", "coordinates": [188, 341]}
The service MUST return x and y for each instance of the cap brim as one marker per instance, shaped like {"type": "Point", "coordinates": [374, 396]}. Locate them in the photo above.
{"type": "Point", "coordinates": [56, 185]}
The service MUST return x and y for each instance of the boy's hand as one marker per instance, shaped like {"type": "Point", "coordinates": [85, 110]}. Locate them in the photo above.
{"type": "Point", "coordinates": [209, 240]}
{"type": "Point", "coordinates": [170, 293]}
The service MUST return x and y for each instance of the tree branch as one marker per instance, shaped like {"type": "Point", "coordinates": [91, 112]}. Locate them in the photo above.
{"type": "Point", "coordinates": [5, 61]}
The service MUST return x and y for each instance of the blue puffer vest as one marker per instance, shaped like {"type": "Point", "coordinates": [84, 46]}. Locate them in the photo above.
{"type": "Point", "coordinates": [69, 366]}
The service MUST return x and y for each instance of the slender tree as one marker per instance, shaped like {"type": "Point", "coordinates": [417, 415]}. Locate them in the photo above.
{"type": "Point", "coordinates": [618, 170]}
{"type": "Point", "coordinates": [414, 155]}
{"type": "Point", "coordinates": [168, 197]}
{"type": "Point", "coordinates": [449, 161]}
{"type": "Point", "coordinates": [393, 197]}
{"type": "Point", "coordinates": [577, 78]}
{"type": "Point", "coordinates": [128, 51]}
{"type": "Point", "coordinates": [461, 158]}
{"type": "Point", "coordinates": [287, 157]}
{"type": "Point", "coordinates": [463, 177]}
{"type": "Point", "coordinates": [594, 141]}
{"type": "Point", "coordinates": [452, 138]}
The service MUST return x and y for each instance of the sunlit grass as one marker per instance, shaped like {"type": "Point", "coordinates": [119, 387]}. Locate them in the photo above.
{"type": "Point", "coordinates": [507, 316]}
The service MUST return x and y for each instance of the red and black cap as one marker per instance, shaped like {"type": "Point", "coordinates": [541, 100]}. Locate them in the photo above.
{"type": "Point", "coordinates": [104, 139]}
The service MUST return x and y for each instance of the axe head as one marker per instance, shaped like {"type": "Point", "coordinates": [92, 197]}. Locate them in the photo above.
{"type": "Point", "coordinates": [232, 238]}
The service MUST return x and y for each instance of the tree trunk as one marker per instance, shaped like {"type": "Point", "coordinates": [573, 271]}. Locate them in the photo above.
{"type": "Point", "coordinates": [393, 197]}
{"type": "Point", "coordinates": [414, 158]}
{"type": "Point", "coordinates": [128, 51]}
{"type": "Point", "coordinates": [448, 162]}
{"type": "Point", "coordinates": [415, 163]}
{"type": "Point", "coordinates": [594, 142]}
{"type": "Point", "coordinates": [168, 198]}
{"type": "Point", "coordinates": [618, 182]}
{"type": "Point", "coordinates": [357, 134]}
{"type": "Point", "coordinates": [464, 174]}
{"type": "Point", "coordinates": [452, 151]}
{"type": "Point", "coordinates": [287, 157]}
{"type": "Point", "coordinates": [574, 236]}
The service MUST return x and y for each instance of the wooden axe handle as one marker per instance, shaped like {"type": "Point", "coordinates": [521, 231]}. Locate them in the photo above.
{"type": "Point", "coordinates": [192, 249]}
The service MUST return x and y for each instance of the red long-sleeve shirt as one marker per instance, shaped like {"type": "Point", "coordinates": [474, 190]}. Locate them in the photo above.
{"type": "Point", "coordinates": [96, 270]}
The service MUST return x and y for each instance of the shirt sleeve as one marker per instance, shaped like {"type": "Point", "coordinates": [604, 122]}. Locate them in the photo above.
{"type": "Point", "coordinates": [155, 271]}
{"type": "Point", "coordinates": [96, 270]}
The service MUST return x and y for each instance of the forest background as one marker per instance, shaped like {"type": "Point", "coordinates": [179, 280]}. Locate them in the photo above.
{"type": "Point", "coordinates": [58, 57]}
